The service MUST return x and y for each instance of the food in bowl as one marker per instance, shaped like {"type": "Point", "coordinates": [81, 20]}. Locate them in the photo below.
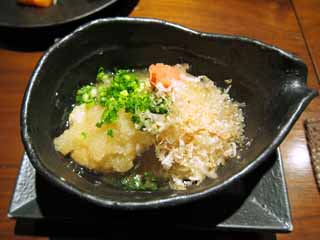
{"type": "Point", "coordinates": [193, 125]}
{"type": "Point", "coordinates": [38, 3]}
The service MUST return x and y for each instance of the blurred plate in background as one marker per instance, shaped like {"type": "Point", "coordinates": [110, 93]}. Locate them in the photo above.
{"type": "Point", "coordinates": [15, 15]}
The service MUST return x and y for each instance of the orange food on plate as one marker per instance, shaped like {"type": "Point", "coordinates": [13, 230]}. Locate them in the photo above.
{"type": "Point", "coordinates": [37, 3]}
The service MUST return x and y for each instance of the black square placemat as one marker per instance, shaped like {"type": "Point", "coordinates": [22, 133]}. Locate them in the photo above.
{"type": "Point", "coordinates": [259, 202]}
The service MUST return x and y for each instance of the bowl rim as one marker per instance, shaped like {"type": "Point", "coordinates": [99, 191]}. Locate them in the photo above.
{"type": "Point", "coordinates": [172, 200]}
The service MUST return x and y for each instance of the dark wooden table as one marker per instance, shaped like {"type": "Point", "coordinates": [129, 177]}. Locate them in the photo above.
{"type": "Point", "coordinates": [291, 25]}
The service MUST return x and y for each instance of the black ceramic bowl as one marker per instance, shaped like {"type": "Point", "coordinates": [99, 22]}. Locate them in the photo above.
{"type": "Point", "coordinates": [270, 81]}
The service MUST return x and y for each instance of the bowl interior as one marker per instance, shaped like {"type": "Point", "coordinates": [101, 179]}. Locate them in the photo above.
{"type": "Point", "coordinates": [271, 85]}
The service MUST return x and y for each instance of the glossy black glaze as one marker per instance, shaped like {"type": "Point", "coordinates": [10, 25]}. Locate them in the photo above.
{"type": "Point", "coordinates": [18, 16]}
{"type": "Point", "coordinates": [270, 81]}
{"type": "Point", "coordinates": [258, 202]}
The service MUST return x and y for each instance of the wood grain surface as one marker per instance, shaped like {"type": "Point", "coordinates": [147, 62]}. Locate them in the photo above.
{"type": "Point", "coordinates": [309, 19]}
{"type": "Point", "coordinates": [292, 26]}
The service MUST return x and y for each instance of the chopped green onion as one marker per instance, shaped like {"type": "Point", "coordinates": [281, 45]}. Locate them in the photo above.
{"type": "Point", "coordinates": [110, 132]}
{"type": "Point", "coordinates": [121, 90]}
{"type": "Point", "coordinates": [83, 135]}
{"type": "Point", "coordinates": [140, 182]}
